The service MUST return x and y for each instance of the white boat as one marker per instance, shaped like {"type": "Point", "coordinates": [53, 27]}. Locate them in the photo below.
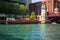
{"type": "Point", "coordinates": [54, 23]}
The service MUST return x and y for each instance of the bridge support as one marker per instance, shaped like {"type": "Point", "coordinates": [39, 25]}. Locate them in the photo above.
{"type": "Point", "coordinates": [43, 14]}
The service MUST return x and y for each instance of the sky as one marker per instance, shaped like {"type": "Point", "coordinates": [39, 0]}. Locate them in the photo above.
{"type": "Point", "coordinates": [35, 1]}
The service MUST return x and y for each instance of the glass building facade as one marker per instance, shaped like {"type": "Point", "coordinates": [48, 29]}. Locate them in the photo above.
{"type": "Point", "coordinates": [36, 7]}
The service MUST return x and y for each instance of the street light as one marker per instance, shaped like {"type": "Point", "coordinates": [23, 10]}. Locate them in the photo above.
{"type": "Point", "coordinates": [56, 8]}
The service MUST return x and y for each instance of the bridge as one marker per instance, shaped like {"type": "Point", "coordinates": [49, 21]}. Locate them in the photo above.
{"type": "Point", "coordinates": [54, 17]}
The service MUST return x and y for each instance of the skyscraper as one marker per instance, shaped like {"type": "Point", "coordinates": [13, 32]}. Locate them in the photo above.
{"type": "Point", "coordinates": [36, 7]}
{"type": "Point", "coordinates": [28, 2]}
{"type": "Point", "coordinates": [51, 4]}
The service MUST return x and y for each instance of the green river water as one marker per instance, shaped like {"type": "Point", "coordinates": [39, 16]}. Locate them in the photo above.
{"type": "Point", "coordinates": [30, 32]}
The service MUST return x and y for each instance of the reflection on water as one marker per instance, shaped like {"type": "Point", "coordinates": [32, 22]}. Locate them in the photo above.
{"type": "Point", "coordinates": [30, 32]}
{"type": "Point", "coordinates": [50, 32]}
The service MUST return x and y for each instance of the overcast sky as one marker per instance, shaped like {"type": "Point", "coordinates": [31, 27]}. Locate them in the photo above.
{"type": "Point", "coordinates": [35, 1]}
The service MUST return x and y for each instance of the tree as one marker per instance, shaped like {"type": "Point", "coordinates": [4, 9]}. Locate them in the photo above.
{"type": "Point", "coordinates": [33, 16]}
{"type": "Point", "coordinates": [24, 9]}
{"type": "Point", "coordinates": [6, 7]}
{"type": "Point", "coordinates": [13, 8]}
{"type": "Point", "coordinates": [27, 16]}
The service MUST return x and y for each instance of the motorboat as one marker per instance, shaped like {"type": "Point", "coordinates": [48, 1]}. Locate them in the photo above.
{"type": "Point", "coordinates": [54, 23]}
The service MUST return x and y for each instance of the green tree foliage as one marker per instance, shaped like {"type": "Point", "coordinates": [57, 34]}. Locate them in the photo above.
{"type": "Point", "coordinates": [24, 9]}
{"type": "Point", "coordinates": [33, 16]}
{"type": "Point", "coordinates": [6, 7]}
{"type": "Point", "coordinates": [13, 8]}
{"type": "Point", "coordinates": [27, 16]}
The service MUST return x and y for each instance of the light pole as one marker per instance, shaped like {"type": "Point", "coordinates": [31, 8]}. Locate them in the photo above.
{"type": "Point", "coordinates": [56, 8]}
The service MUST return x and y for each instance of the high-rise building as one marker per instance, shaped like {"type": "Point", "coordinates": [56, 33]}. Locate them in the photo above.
{"type": "Point", "coordinates": [51, 4]}
{"type": "Point", "coordinates": [28, 2]}
{"type": "Point", "coordinates": [36, 7]}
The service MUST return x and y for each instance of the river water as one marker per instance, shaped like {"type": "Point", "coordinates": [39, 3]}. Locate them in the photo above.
{"type": "Point", "coordinates": [30, 32]}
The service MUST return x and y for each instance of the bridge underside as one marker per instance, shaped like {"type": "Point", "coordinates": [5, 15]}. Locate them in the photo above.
{"type": "Point", "coordinates": [55, 19]}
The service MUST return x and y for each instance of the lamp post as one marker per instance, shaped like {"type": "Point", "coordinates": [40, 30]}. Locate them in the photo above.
{"type": "Point", "coordinates": [56, 8]}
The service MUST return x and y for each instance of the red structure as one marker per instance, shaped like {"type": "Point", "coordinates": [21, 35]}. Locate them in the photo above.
{"type": "Point", "coordinates": [51, 4]}
{"type": "Point", "coordinates": [50, 7]}
{"type": "Point", "coordinates": [53, 14]}
{"type": "Point", "coordinates": [53, 17]}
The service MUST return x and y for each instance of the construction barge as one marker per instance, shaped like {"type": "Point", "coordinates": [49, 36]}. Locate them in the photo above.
{"type": "Point", "coordinates": [5, 20]}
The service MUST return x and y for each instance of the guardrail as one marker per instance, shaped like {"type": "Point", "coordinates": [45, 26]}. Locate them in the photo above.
{"type": "Point", "coordinates": [53, 14]}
